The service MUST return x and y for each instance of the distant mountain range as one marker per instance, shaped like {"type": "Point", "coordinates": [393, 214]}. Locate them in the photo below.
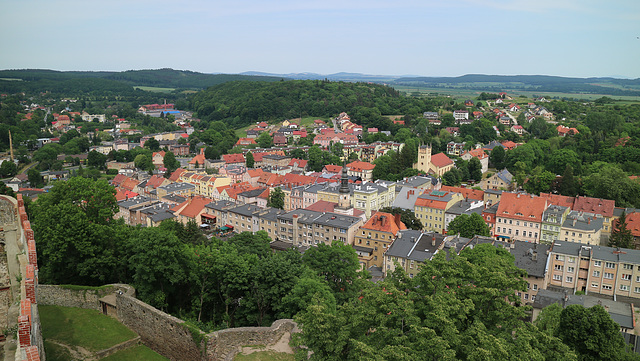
{"type": "Point", "coordinates": [33, 79]}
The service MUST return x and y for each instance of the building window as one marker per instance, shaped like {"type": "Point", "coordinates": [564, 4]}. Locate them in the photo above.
{"type": "Point", "coordinates": [558, 267]}
{"type": "Point", "coordinates": [596, 273]}
{"type": "Point", "coordinates": [557, 277]}
{"type": "Point", "coordinates": [526, 296]}
{"type": "Point", "coordinates": [571, 269]}
{"type": "Point", "coordinates": [594, 285]}
{"type": "Point", "coordinates": [606, 287]}
{"type": "Point", "coordinates": [636, 290]}
{"type": "Point", "coordinates": [572, 259]}
{"type": "Point", "coordinates": [535, 287]}
{"type": "Point", "coordinates": [597, 263]}
{"type": "Point", "coordinates": [627, 266]}
{"type": "Point", "coordinates": [610, 265]}
{"type": "Point", "coordinates": [626, 277]}
{"type": "Point", "coordinates": [559, 258]}
{"type": "Point", "coordinates": [624, 288]}
{"type": "Point", "coordinates": [608, 275]}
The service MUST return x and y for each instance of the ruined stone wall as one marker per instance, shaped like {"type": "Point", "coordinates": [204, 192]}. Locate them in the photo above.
{"type": "Point", "coordinates": [163, 333]}
{"type": "Point", "coordinates": [225, 344]}
{"type": "Point", "coordinates": [77, 296]}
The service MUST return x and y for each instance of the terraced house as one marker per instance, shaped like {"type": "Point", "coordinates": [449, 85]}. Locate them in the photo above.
{"type": "Point", "coordinates": [595, 269]}
{"type": "Point", "coordinates": [519, 217]}
{"type": "Point", "coordinates": [430, 209]}
{"type": "Point", "coordinates": [375, 236]}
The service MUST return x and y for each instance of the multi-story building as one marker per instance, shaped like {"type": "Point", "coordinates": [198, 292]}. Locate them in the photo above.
{"type": "Point", "coordinates": [269, 221]}
{"type": "Point", "coordinates": [410, 250]}
{"type": "Point", "coordinates": [454, 148]}
{"type": "Point", "coordinates": [552, 219]}
{"type": "Point", "coordinates": [464, 206]}
{"type": "Point", "coordinates": [595, 269]}
{"type": "Point", "coordinates": [244, 218]}
{"type": "Point", "coordinates": [501, 180]}
{"type": "Point", "coordinates": [218, 211]}
{"type": "Point", "coordinates": [375, 236]}
{"type": "Point", "coordinates": [519, 217]}
{"type": "Point", "coordinates": [430, 209]}
{"type": "Point", "coordinates": [459, 115]}
{"type": "Point", "coordinates": [179, 188]}
{"type": "Point", "coordinates": [533, 259]}
{"type": "Point", "coordinates": [364, 170]}
{"type": "Point", "coordinates": [480, 154]}
{"type": "Point", "coordinates": [303, 227]}
{"type": "Point", "coordinates": [191, 209]}
{"type": "Point", "coordinates": [582, 228]}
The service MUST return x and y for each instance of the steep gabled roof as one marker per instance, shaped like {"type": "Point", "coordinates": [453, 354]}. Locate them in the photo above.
{"type": "Point", "coordinates": [195, 206]}
{"type": "Point", "coordinates": [234, 158]}
{"type": "Point", "coordinates": [475, 194]}
{"type": "Point", "coordinates": [440, 160]}
{"type": "Point", "coordinates": [526, 207]}
{"type": "Point", "coordinates": [360, 166]}
{"type": "Point", "coordinates": [384, 222]}
{"type": "Point", "coordinates": [594, 205]}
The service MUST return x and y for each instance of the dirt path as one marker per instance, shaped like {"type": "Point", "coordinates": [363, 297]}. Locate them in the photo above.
{"type": "Point", "coordinates": [281, 346]}
{"type": "Point", "coordinates": [77, 352]}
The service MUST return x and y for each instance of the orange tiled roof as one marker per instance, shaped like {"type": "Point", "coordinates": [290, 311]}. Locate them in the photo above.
{"type": "Point", "coordinates": [155, 181]}
{"type": "Point", "coordinates": [195, 206]}
{"type": "Point", "coordinates": [526, 207]}
{"type": "Point", "coordinates": [360, 166]}
{"type": "Point", "coordinates": [633, 223]}
{"type": "Point", "coordinates": [255, 172]}
{"type": "Point", "coordinates": [234, 158]}
{"type": "Point", "coordinates": [475, 194]}
{"type": "Point", "coordinates": [129, 184]}
{"type": "Point", "coordinates": [558, 200]}
{"type": "Point", "coordinates": [594, 205]}
{"type": "Point", "coordinates": [478, 153]}
{"type": "Point", "coordinates": [431, 203]}
{"type": "Point", "coordinates": [176, 174]}
{"type": "Point", "coordinates": [440, 160]}
{"type": "Point", "coordinates": [384, 222]}
{"type": "Point", "coordinates": [333, 168]}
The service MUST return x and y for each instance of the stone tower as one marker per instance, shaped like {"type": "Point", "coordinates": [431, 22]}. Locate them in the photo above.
{"type": "Point", "coordinates": [424, 158]}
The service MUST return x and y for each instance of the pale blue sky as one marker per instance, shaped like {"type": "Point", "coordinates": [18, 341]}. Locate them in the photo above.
{"type": "Point", "coordinates": [580, 38]}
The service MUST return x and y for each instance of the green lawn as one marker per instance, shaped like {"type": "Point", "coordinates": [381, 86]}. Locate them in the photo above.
{"type": "Point", "coordinates": [55, 352]}
{"type": "Point", "coordinates": [85, 328]}
{"type": "Point", "coordinates": [136, 353]}
{"type": "Point", "coordinates": [265, 356]}
{"type": "Point", "coordinates": [154, 89]}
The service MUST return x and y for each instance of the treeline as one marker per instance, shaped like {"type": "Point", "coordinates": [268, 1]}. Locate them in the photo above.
{"type": "Point", "coordinates": [242, 103]}
{"type": "Point", "coordinates": [71, 83]}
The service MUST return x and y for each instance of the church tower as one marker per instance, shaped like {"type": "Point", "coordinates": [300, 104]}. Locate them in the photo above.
{"type": "Point", "coordinates": [344, 194]}
{"type": "Point", "coordinates": [424, 158]}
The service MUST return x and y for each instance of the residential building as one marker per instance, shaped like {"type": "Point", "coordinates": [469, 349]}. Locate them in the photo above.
{"type": "Point", "coordinates": [519, 217]}
{"type": "Point", "coordinates": [459, 115]}
{"type": "Point", "coordinates": [191, 209]}
{"type": "Point", "coordinates": [454, 148]}
{"type": "Point", "coordinates": [533, 259]}
{"type": "Point", "coordinates": [375, 236]}
{"type": "Point", "coordinates": [364, 170]}
{"type": "Point", "coordinates": [501, 180]}
{"type": "Point", "coordinates": [430, 209]}
{"type": "Point", "coordinates": [582, 228]}
{"type": "Point", "coordinates": [410, 250]}
{"type": "Point", "coordinates": [303, 227]}
{"type": "Point", "coordinates": [464, 206]}
{"type": "Point", "coordinates": [552, 219]}
{"type": "Point", "coordinates": [595, 269]}
{"type": "Point", "coordinates": [480, 154]}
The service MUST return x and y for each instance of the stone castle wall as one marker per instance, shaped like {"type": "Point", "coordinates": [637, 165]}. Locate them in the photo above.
{"type": "Point", "coordinates": [76, 296]}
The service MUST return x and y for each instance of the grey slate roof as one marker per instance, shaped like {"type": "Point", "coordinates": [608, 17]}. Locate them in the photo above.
{"type": "Point", "coordinates": [174, 198]}
{"type": "Point", "coordinates": [220, 205]}
{"type": "Point", "coordinates": [405, 200]}
{"type": "Point", "coordinates": [583, 221]}
{"type": "Point", "coordinates": [131, 202]}
{"type": "Point", "coordinates": [504, 175]}
{"type": "Point", "coordinates": [337, 220]}
{"type": "Point", "coordinates": [246, 210]}
{"type": "Point", "coordinates": [178, 186]}
{"type": "Point", "coordinates": [252, 193]}
{"type": "Point", "coordinates": [601, 253]}
{"type": "Point", "coordinates": [415, 245]}
{"type": "Point", "coordinates": [530, 257]}
{"type": "Point", "coordinates": [161, 216]}
{"type": "Point", "coordinates": [553, 214]}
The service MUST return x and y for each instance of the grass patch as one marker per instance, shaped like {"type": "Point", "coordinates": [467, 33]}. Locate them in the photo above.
{"type": "Point", "coordinates": [137, 353]}
{"type": "Point", "coordinates": [265, 356]}
{"type": "Point", "coordinates": [154, 89]}
{"type": "Point", "coordinates": [55, 352]}
{"type": "Point", "coordinates": [80, 327]}
{"type": "Point", "coordinates": [84, 288]}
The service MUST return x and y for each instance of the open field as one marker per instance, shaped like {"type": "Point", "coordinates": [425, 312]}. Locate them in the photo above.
{"type": "Point", "coordinates": [466, 93]}
{"type": "Point", "coordinates": [154, 89]}
{"type": "Point", "coordinates": [306, 122]}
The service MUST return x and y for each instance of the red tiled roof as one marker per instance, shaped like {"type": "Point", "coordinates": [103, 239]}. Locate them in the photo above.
{"type": "Point", "coordinates": [118, 179]}
{"type": "Point", "coordinates": [255, 172]}
{"type": "Point", "coordinates": [360, 166]}
{"type": "Point", "coordinates": [633, 223]}
{"type": "Point", "coordinates": [594, 205]}
{"type": "Point", "coordinates": [195, 206]}
{"type": "Point", "coordinates": [526, 207]}
{"type": "Point", "coordinates": [440, 160]}
{"type": "Point", "coordinates": [322, 206]}
{"type": "Point", "coordinates": [475, 194]}
{"type": "Point", "coordinates": [478, 153]}
{"type": "Point", "coordinates": [155, 181]}
{"type": "Point", "coordinates": [176, 174]}
{"type": "Point", "coordinates": [431, 203]}
{"type": "Point", "coordinates": [330, 168]}
{"type": "Point", "coordinates": [234, 158]}
{"type": "Point", "coordinates": [129, 184]}
{"type": "Point", "coordinates": [509, 144]}
{"type": "Point", "coordinates": [384, 222]}
{"type": "Point", "coordinates": [302, 163]}
{"type": "Point", "coordinates": [558, 200]}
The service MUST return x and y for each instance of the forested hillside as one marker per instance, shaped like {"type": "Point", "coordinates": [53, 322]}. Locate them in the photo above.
{"type": "Point", "coordinates": [242, 103]}
{"type": "Point", "coordinates": [70, 83]}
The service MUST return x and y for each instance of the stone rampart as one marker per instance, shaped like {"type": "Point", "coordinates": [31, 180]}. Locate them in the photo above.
{"type": "Point", "coordinates": [77, 296]}
{"type": "Point", "coordinates": [163, 333]}
{"type": "Point", "coordinates": [225, 344]}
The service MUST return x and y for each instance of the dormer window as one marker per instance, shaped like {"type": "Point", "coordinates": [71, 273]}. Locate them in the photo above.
{"type": "Point", "coordinates": [518, 214]}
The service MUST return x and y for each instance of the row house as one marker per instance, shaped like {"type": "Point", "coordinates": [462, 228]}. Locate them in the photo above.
{"type": "Point", "coordinates": [598, 206]}
{"type": "Point", "coordinates": [552, 220]}
{"type": "Point", "coordinates": [304, 196]}
{"type": "Point", "coordinates": [325, 140]}
{"type": "Point", "coordinates": [430, 209]}
{"type": "Point", "coordinates": [303, 227]}
{"type": "Point", "coordinates": [375, 236]}
{"type": "Point", "coordinates": [191, 209]}
{"type": "Point", "coordinates": [410, 250]}
{"type": "Point", "coordinates": [595, 269]}
{"type": "Point", "coordinates": [519, 217]}
{"type": "Point", "coordinates": [153, 214]}
{"type": "Point", "coordinates": [178, 188]}
{"type": "Point", "coordinates": [500, 180]}
{"type": "Point", "coordinates": [127, 208]}
{"type": "Point", "coordinates": [216, 212]}
{"type": "Point", "coordinates": [465, 206]}
{"type": "Point", "coordinates": [244, 218]}
{"type": "Point", "coordinates": [582, 227]}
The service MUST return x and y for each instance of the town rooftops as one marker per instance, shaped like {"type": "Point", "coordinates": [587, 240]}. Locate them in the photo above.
{"type": "Point", "coordinates": [441, 160]}
{"type": "Point", "coordinates": [337, 220]}
{"type": "Point", "coordinates": [594, 205]}
{"type": "Point", "coordinates": [602, 253]}
{"type": "Point", "coordinates": [553, 214]}
{"type": "Point", "coordinates": [470, 193]}
{"type": "Point", "coordinates": [530, 257]}
{"type": "Point", "coordinates": [581, 221]}
{"type": "Point", "coordinates": [359, 166]}
{"type": "Point", "coordinates": [415, 245]}
{"type": "Point", "coordinates": [176, 187]}
{"type": "Point", "coordinates": [526, 207]}
{"type": "Point", "coordinates": [246, 210]}
{"type": "Point", "coordinates": [384, 222]}
{"type": "Point", "coordinates": [220, 205]}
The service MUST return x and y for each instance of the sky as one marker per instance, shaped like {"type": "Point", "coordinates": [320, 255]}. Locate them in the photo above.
{"type": "Point", "coordinates": [573, 38]}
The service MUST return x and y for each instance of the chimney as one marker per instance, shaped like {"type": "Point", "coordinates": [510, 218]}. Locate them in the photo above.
{"type": "Point", "coordinates": [433, 240]}
{"type": "Point", "coordinates": [534, 256]}
{"type": "Point", "coordinates": [397, 219]}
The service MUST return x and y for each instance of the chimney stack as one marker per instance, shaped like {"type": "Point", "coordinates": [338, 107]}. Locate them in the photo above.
{"type": "Point", "coordinates": [397, 219]}
{"type": "Point", "coordinates": [433, 240]}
